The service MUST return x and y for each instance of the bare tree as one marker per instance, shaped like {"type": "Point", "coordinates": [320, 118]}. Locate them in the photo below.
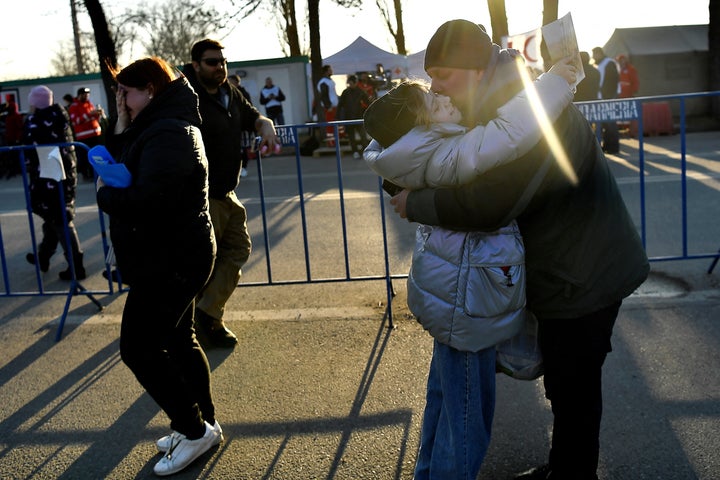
{"type": "Point", "coordinates": [313, 8]}
{"type": "Point", "coordinates": [550, 14]}
{"type": "Point", "coordinates": [285, 15]}
{"type": "Point", "coordinates": [169, 30]}
{"type": "Point", "coordinates": [714, 54]}
{"type": "Point", "coordinates": [75, 56]}
{"type": "Point", "coordinates": [550, 11]}
{"type": "Point", "coordinates": [79, 55]}
{"type": "Point", "coordinates": [63, 62]}
{"type": "Point", "coordinates": [76, 37]}
{"type": "Point", "coordinates": [290, 32]}
{"type": "Point", "coordinates": [498, 20]}
{"type": "Point", "coordinates": [286, 9]}
{"type": "Point", "coordinates": [107, 55]}
{"type": "Point", "coordinates": [397, 33]}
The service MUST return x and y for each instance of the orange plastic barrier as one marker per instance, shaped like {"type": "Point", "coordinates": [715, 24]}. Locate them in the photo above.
{"type": "Point", "coordinates": [657, 120]}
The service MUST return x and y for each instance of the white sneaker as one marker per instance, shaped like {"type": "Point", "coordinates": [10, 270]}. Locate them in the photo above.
{"type": "Point", "coordinates": [163, 443]}
{"type": "Point", "coordinates": [356, 155]}
{"type": "Point", "coordinates": [243, 172]}
{"type": "Point", "coordinates": [182, 452]}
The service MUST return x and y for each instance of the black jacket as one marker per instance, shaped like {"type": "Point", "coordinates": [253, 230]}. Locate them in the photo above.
{"type": "Point", "coordinates": [160, 224]}
{"type": "Point", "coordinates": [583, 252]}
{"type": "Point", "coordinates": [47, 126]}
{"type": "Point", "coordinates": [221, 129]}
{"type": "Point", "coordinates": [352, 103]}
{"type": "Point", "coordinates": [589, 87]}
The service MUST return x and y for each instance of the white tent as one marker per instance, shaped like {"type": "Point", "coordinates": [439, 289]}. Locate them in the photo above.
{"type": "Point", "coordinates": [416, 66]}
{"type": "Point", "coordinates": [363, 56]}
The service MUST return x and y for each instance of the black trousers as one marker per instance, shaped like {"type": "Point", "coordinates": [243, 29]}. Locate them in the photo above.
{"type": "Point", "coordinates": [574, 351]}
{"type": "Point", "coordinates": [610, 137]}
{"type": "Point", "coordinates": [54, 233]}
{"type": "Point", "coordinates": [157, 342]}
{"type": "Point", "coordinates": [359, 130]}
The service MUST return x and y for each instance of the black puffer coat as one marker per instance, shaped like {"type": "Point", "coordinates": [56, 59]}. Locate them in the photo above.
{"type": "Point", "coordinates": [160, 224]}
{"type": "Point", "coordinates": [50, 125]}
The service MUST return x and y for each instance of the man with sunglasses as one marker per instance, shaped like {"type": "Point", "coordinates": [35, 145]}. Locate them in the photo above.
{"type": "Point", "coordinates": [225, 113]}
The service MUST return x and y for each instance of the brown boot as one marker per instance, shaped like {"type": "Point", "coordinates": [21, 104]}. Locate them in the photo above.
{"type": "Point", "coordinates": [212, 332]}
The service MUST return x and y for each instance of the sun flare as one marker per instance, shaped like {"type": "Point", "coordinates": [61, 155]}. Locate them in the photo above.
{"type": "Point", "coordinates": [546, 125]}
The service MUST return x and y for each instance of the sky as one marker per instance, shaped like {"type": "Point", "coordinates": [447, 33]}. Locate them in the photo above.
{"type": "Point", "coordinates": [33, 29]}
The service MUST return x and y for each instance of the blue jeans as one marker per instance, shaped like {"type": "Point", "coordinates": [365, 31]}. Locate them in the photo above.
{"type": "Point", "coordinates": [458, 414]}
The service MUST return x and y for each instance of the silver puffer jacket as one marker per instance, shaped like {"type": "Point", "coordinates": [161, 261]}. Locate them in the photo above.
{"type": "Point", "coordinates": [468, 288]}
{"type": "Point", "coordinates": [447, 154]}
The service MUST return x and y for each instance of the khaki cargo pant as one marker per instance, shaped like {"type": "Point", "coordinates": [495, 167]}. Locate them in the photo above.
{"type": "Point", "coordinates": [229, 219]}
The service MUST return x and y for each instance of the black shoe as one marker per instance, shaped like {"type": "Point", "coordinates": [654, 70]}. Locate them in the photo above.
{"type": "Point", "coordinates": [211, 334]}
{"type": "Point", "coordinates": [44, 262]}
{"type": "Point", "coordinates": [67, 274]}
{"type": "Point", "coordinates": [113, 275]}
{"type": "Point", "coordinates": [537, 473]}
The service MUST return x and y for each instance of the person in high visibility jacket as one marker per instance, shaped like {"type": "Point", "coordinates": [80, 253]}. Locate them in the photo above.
{"type": "Point", "coordinates": [85, 118]}
{"type": "Point", "coordinates": [629, 81]}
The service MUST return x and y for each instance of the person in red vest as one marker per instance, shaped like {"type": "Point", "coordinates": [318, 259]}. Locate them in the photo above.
{"type": "Point", "coordinates": [365, 85]}
{"type": "Point", "coordinates": [13, 124]}
{"type": "Point", "coordinates": [629, 82]}
{"type": "Point", "coordinates": [85, 120]}
{"type": "Point", "coordinates": [10, 162]}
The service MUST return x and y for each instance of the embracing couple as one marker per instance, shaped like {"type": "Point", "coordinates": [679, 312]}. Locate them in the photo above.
{"type": "Point", "coordinates": [489, 186]}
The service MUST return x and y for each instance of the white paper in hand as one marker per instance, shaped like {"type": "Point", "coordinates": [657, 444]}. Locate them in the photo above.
{"type": "Point", "coordinates": [559, 36]}
{"type": "Point", "coordinates": [51, 165]}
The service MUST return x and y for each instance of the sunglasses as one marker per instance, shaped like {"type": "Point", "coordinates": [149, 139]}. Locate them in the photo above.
{"type": "Point", "coordinates": [214, 62]}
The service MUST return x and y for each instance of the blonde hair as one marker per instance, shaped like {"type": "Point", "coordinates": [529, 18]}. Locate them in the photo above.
{"type": "Point", "coordinates": [398, 111]}
{"type": "Point", "coordinates": [417, 93]}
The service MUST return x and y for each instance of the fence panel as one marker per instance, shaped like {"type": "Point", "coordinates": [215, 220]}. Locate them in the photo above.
{"type": "Point", "coordinates": [324, 219]}
{"type": "Point", "coordinates": [652, 115]}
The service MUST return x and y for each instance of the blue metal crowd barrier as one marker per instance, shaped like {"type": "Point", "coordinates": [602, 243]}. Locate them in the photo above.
{"type": "Point", "coordinates": [630, 109]}
{"type": "Point", "coordinates": [289, 135]}
{"type": "Point", "coordinates": [75, 288]}
{"type": "Point", "coordinates": [598, 111]}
